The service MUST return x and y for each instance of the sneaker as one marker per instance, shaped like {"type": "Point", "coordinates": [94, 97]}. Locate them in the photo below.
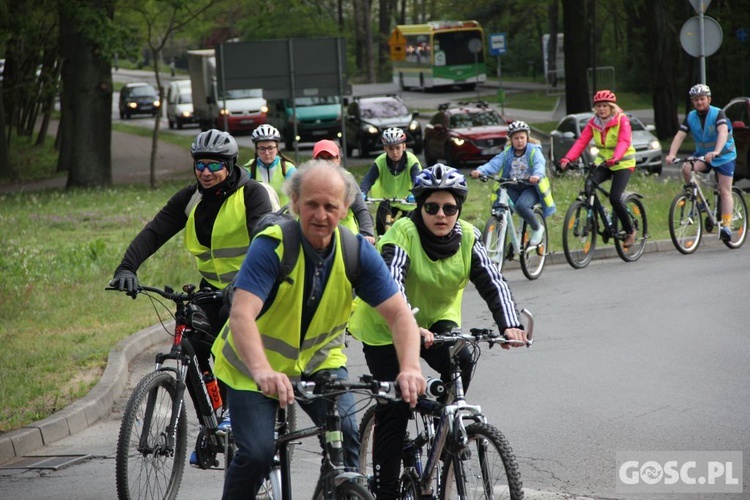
{"type": "Point", "coordinates": [194, 458]}
{"type": "Point", "coordinates": [226, 423]}
{"type": "Point", "coordinates": [725, 234]}
{"type": "Point", "coordinates": [536, 236]}
{"type": "Point", "coordinates": [629, 239]}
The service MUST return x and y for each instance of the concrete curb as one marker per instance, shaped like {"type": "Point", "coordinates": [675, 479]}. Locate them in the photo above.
{"type": "Point", "coordinates": [99, 401]}
{"type": "Point", "coordinates": [84, 412]}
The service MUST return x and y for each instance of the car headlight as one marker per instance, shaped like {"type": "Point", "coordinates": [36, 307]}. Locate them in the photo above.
{"type": "Point", "coordinates": [654, 145]}
{"type": "Point", "coordinates": [414, 125]}
{"type": "Point", "coordinates": [157, 103]}
{"type": "Point", "coordinates": [132, 105]}
{"type": "Point", "coordinates": [264, 109]}
{"type": "Point", "coordinates": [186, 114]}
{"type": "Point", "coordinates": [371, 129]}
{"type": "Point", "coordinates": [223, 112]}
{"type": "Point", "coordinates": [458, 141]}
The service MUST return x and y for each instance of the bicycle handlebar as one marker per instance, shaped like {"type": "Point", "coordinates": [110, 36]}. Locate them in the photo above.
{"type": "Point", "coordinates": [488, 335]}
{"type": "Point", "coordinates": [504, 181]}
{"type": "Point", "coordinates": [330, 386]}
{"type": "Point", "coordinates": [191, 293]}
{"type": "Point", "coordinates": [403, 201]}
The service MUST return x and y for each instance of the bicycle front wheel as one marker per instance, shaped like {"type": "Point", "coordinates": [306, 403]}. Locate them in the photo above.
{"type": "Point", "coordinates": [494, 240]}
{"type": "Point", "coordinates": [352, 490]}
{"type": "Point", "coordinates": [739, 220]}
{"type": "Point", "coordinates": [637, 214]}
{"type": "Point", "coordinates": [685, 225]}
{"type": "Point", "coordinates": [579, 235]}
{"type": "Point", "coordinates": [366, 429]}
{"type": "Point", "coordinates": [487, 465]}
{"type": "Point", "coordinates": [146, 466]}
{"type": "Point", "coordinates": [532, 257]}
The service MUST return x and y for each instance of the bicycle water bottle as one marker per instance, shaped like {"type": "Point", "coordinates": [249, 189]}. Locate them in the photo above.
{"type": "Point", "coordinates": [212, 386]}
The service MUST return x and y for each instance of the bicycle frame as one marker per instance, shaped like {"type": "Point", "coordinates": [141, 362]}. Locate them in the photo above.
{"type": "Point", "coordinates": [590, 196]}
{"type": "Point", "coordinates": [695, 190]}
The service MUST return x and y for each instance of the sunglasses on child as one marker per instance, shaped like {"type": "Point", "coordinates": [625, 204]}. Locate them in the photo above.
{"type": "Point", "coordinates": [433, 208]}
{"type": "Point", "coordinates": [212, 166]}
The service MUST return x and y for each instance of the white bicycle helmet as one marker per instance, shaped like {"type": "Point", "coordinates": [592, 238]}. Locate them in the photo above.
{"type": "Point", "coordinates": [699, 90]}
{"type": "Point", "coordinates": [265, 132]}
{"type": "Point", "coordinates": [215, 144]}
{"type": "Point", "coordinates": [392, 136]}
{"type": "Point", "coordinates": [440, 177]}
{"type": "Point", "coordinates": [518, 126]}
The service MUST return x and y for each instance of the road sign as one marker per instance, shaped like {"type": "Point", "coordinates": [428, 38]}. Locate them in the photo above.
{"type": "Point", "coordinates": [699, 5]}
{"type": "Point", "coordinates": [743, 34]}
{"type": "Point", "coordinates": [497, 44]}
{"type": "Point", "coordinates": [691, 40]}
{"type": "Point", "coordinates": [397, 44]}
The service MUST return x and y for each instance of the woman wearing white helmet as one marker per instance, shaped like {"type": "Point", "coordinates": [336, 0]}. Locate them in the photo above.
{"type": "Point", "coordinates": [218, 212]}
{"type": "Point", "coordinates": [523, 159]}
{"type": "Point", "coordinates": [391, 175]}
{"type": "Point", "coordinates": [270, 166]}
{"type": "Point", "coordinates": [712, 133]}
{"type": "Point", "coordinates": [432, 255]}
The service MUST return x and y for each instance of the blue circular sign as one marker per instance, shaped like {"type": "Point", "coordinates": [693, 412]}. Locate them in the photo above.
{"type": "Point", "coordinates": [743, 34]}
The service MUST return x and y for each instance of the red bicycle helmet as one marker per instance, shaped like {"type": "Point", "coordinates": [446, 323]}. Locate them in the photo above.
{"type": "Point", "coordinates": [605, 96]}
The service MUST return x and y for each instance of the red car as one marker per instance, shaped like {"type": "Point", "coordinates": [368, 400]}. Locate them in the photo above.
{"type": "Point", "coordinates": [464, 134]}
{"type": "Point", "coordinates": [738, 112]}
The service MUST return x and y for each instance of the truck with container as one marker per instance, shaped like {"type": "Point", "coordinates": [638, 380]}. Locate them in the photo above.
{"type": "Point", "coordinates": [236, 110]}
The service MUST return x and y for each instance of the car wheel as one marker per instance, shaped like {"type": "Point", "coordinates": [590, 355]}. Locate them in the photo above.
{"type": "Point", "coordinates": [349, 150]}
{"type": "Point", "coordinates": [171, 124]}
{"type": "Point", "coordinates": [122, 115]}
{"type": "Point", "coordinates": [418, 146]}
{"type": "Point", "coordinates": [363, 150]}
{"type": "Point", "coordinates": [180, 124]}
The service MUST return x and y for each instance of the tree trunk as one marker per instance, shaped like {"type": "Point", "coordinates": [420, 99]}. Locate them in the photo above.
{"type": "Point", "coordinates": [554, 13]}
{"type": "Point", "coordinates": [85, 151]}
{"type": "Point", "coordinates": [384, 32]}
{"type": "Point", "coordinates": [6, 170]}
{"type": "Point", "coordinates": [369, 55]}
{"type": "Point", "coordinates": [153, 181]}
{"type": "Point", "coordinates": [576, 29]}
{"type": "Point", "coordinates": [663, 59]}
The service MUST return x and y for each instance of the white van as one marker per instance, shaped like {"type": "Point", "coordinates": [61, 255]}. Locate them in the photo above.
{"type": "Point", "coordinates": [180, 103]}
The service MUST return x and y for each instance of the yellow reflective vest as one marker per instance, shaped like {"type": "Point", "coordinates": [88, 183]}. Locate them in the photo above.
{"type": "Point", "coordinates": [279, 326]}
{"type": "Point", "coordinates": [229, 241]}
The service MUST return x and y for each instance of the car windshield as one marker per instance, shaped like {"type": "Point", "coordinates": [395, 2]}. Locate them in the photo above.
{"type": "Point", "coordinates": [636, 124]}
{"type": "Point", "coordinates": [244, 93]}
{"type": "Point", "coordinates": [478, 119]}
{"type": "Point", "coordinates": [390, 108]}
{"type": "Point", "coordinates": [316, 101]}
{"type": "Point", "coordinates": [143, 90]}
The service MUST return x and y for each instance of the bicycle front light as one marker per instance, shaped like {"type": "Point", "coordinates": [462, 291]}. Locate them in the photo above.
{"type": "Point", "coordinates": [458, 141]}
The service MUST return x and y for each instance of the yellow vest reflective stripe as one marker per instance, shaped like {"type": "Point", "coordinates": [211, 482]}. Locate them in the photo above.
{"type": "Point", "coordinates": [607, 150]}
{"type": "Point", "coordinates": [229, 241]}
{"type": "Point", "coordinates": [279, 326]}
{"type": "Point", "coordinates": [436, 288]}
{"type": "Point", "coordinates": [388, 185]}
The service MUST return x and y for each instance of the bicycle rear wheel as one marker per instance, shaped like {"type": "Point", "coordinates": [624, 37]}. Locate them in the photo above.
{"type": "Point", "coordinates": [685, 225]}
{"type": "Point", "coordinates": [533, 257]}
{"type": "Point", "coordinates": [739, 220]}
{"type": "Point", "coordinates": [579, 235]}
{"type": "Point", "coordinates": [637, 214]}
{"type": "Point", "coordinates": [494, 240]}
{"type": "Point", "coordinates": [488, 465]}
{"type": "Point", "coordinates": [144, 467]}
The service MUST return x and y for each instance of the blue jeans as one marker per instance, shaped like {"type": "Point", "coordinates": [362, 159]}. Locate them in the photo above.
{"type": "Point", "coordinates": [253, 423]}
{"type": "Point", "coordinates": [524, 198]}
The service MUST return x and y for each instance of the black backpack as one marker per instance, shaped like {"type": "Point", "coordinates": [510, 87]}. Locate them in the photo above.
{"type": "Point", "coordinates": [291, 235]}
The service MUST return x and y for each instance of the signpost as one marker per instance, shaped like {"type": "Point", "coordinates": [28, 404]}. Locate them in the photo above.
{"type": "Point", "coordinates": [701, 36]}
{"type": "Point", "coordinates": [497, 48]}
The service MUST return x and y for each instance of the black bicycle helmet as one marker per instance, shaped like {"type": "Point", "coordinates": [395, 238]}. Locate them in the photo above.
{"type": "Point", "coordinates": [518, 126]}
{"type": "Point", "coordinates": [699, 90]}
{"type": "Point", "coordinates": [266, 132]}
{"type": "Point", "coordinates": [215, 144]}
{"type": "Point", "coordinates": [440, 177]}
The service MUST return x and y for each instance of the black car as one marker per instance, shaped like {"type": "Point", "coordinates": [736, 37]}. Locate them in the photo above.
{"type": "Point", "coordinates": [738, 112]}
{"type": "Point", "coordinates": [139, 99]}
{"type": "Point", "coordinates": [368, 116]}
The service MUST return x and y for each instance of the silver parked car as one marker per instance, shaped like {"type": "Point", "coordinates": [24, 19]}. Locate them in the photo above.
{"type": "Point", "coordinates": [648, 154]}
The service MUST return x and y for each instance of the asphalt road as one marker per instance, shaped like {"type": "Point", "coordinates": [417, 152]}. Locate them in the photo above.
{"type": "Point", "coordinates": [648, 356]}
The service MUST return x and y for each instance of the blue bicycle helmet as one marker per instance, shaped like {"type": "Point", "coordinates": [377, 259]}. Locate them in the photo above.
{"type": "Point", "coordinates": [440, 177]}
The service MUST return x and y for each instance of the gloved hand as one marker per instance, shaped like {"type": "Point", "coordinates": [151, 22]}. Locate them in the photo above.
{"type": "Point", "coordinates": [564, 163]}
{"type": "Point", "coordinates": [410, 198]}
{"type": "Point", "coordinates": [125, 281]}
{"type": "Point", "coordinates": [364, 195]}
{"type": "Point", "coordinates": [611, 162]}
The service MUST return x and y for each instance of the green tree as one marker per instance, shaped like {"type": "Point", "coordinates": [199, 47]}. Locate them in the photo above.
{"type": "Point", "coordinates": [158, 21]}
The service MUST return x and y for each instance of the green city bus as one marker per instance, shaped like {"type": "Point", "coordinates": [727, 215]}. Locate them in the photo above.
{"type": "Point", "coordinates": [438, 54]}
